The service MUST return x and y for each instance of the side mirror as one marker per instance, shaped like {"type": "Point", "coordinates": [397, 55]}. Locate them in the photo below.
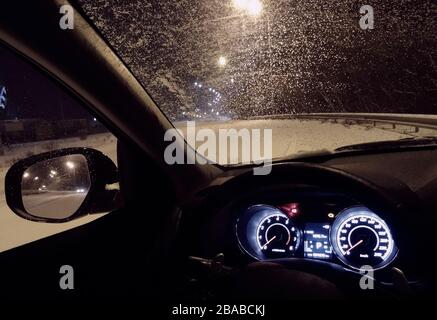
{"type": "Point", "coordinates": [62, 185]}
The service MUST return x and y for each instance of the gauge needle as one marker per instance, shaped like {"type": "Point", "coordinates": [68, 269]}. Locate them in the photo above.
{"type": "Point", "coordinates": [267, 243]}
{"type": "Point", "coordinates": [354, 246]}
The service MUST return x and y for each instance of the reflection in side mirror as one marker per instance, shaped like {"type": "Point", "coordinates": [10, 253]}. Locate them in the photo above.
{"type": "Point", "coordinates": [56, 188]}
{"type": "Point", "coordinates": [63, 185]}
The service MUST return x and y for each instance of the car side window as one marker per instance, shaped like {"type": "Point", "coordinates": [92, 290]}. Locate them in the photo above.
{"type": "Point", "coordinates": [38, 115]}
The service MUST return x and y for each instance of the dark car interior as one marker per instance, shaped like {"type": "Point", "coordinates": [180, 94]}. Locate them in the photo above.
{"type": "Point", "coordinates": [192, 233]}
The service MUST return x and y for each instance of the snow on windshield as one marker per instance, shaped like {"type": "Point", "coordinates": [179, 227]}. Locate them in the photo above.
{"type": "Point", "coordinates": [236, 59]}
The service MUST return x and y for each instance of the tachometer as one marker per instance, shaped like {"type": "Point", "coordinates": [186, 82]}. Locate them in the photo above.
{"type": "Point", "coordinates": [277, 236]}
{"type": "Point", "coordinates": [266, 232]}
{"type": "Point", "coordinates": [359, 237]}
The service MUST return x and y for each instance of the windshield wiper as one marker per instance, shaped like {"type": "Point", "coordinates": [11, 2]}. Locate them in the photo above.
{"type": "Point", "coordinates": [391, 144]}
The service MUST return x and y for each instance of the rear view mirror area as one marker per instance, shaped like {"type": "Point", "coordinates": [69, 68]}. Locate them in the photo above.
{"type": "Point", "coordinates": [56, 188]}
{"type": "Point", "coordinates": [62, 185]}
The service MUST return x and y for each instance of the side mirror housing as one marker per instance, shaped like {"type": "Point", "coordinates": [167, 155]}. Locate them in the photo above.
{"type": "Point", "coordinates": [62, 185]}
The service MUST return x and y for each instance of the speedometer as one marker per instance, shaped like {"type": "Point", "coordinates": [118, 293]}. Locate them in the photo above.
{"type": "Point", "coordinates": [361, 238]}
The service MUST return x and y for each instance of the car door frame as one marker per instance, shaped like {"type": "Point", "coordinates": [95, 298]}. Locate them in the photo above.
{"type": "Point", "coordinates": [82, 62]}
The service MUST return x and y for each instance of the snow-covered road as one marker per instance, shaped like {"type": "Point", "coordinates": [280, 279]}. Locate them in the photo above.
{"type": "Point", "coordinates": [52, 204]}
{"type": "Point", "coordinates": [291, 137]}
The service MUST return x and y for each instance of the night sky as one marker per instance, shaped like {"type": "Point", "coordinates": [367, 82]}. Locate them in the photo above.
{"type": "Point", "coordinates": [30, 94]}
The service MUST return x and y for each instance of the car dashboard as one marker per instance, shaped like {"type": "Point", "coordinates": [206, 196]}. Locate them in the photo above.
{"type": "Point", "coordinates": [316, 225]}
{"type": "Point", "coordinates": [357, 214]}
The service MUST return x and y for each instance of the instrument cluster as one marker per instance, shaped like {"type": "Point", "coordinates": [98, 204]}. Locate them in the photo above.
{"type": "Point", "coordinates": [342, 232]}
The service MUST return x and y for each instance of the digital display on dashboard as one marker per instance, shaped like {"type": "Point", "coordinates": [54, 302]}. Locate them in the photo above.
{"type": "Point", "coordinates": [316, 241]}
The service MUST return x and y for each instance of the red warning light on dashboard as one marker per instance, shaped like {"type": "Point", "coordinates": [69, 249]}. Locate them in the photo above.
{"type": "Point", "coordinates": [291, 209]}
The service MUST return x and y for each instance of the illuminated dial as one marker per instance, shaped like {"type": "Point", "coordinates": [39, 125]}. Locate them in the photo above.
{"type": "Point", "coordinates": [359, 237]}
{"type": "Point", "coordinates": [277, 236]}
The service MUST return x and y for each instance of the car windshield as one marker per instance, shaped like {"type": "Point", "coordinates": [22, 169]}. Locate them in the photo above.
{"type": "Point", "coordinates": [312, 70]}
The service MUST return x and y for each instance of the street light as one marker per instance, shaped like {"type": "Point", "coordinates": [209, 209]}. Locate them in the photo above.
{"type": "Point", "coordinates": [222, 61]}
{"type": "Point", "coordinates": [70, 165]}
{"type": "Point", "coordinates": [253, 7]}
